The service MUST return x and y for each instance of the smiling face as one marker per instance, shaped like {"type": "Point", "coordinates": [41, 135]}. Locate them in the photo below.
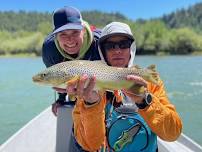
{"type": "Point", "coordinates": [118, 51]}
{"type": "Point", "coordinates": [70, 40]}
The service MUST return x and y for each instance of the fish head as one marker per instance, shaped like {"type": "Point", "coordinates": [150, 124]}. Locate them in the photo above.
{"type": "Point", "coordinates": [50, 77]}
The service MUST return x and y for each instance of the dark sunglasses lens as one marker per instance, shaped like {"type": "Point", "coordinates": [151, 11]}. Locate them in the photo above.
{"type": "Point", "coordinates": [113, 45]}
{"type": "Point", "coordinates": [124, 44]}
{"type": "Point", "coordinates": [108, 45]}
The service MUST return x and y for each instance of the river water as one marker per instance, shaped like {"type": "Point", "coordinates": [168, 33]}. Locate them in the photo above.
{"type": "Point", "coordinates": [21, 100]}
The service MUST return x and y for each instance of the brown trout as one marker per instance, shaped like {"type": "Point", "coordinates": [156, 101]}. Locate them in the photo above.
{"type": "Point", "coordinates": [107, 77]}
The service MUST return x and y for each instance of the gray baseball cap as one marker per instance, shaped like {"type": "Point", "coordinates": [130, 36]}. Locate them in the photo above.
{"type": "Point", "coordinates": [116, 28]}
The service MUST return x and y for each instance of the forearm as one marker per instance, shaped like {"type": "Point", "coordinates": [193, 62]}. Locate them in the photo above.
{"type": "Point", "coordinates": [163, 120]}
{"type": "Point", "coordinates": [46, 59]}
{"type": "Point", "coordinates": [89, 126]}
{"type": "Point", "coordinates": [161, 115]}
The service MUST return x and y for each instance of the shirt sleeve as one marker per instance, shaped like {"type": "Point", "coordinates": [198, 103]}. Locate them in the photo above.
{"type": "Point", "coordinates": [161, 115]}
{"type": "Point", "coordinates": [51, 56]}
{"type": "Point", "coordinates": [46, 54]}
{"type": "Point", "coordinates": [89, 124]}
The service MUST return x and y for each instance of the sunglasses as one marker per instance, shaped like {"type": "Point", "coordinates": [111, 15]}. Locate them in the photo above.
{"type": "Point", "coordinates": [115, 45]}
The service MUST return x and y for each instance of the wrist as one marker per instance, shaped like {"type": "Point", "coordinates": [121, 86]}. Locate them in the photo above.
{"type": "Point", "coordinates": [90, 103]}
{"type": "Point", "coordinates": [147, 100]}
{"type": "Point", "coordinates": [139, 100]}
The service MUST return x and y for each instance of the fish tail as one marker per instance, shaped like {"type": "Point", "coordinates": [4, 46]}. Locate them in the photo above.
{"type": "Point", "coordinates": [149, 74]}
{"type": "Point", "coordinates": [152, 67]}
{"type": "Point", "coordinates": [154, 75]}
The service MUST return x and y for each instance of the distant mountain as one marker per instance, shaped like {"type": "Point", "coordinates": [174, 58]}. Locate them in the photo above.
{"type": "Point", "coordinates": [191, 17]}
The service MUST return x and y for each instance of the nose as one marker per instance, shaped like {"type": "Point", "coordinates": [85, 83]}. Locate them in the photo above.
{"type": "Point", "coordinates": [116, 46]}
{"type": "Point", "coordinates": [117, 49]}
{"type": "Point", "coordinates": [69, 38]}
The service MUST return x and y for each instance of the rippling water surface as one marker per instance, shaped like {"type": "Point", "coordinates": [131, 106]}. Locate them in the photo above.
{"type": "Point", "coordinates": [21, 100]}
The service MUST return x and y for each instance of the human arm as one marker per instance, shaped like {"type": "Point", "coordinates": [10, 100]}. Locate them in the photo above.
{"type": "Point", "coordinates": [161, 115]}
{"type": "Point", "coordinates": [89, 126]}
{"type": "Point", "coordinates": [58, 103]}
{"type": "Point", "coordinates": [50, 53]}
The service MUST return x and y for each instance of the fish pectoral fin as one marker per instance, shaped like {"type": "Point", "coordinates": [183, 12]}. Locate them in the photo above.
{"type": "Point", "coordinates": [73, 80]}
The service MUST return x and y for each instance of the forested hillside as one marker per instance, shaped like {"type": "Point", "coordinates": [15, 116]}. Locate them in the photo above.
{"type": "Point", "coordinates": [34, 21]}
{"type": "Point", "coordinates": [191, 17]}
{"type": "Point", "coordinates": [175, 33]}
{"type": "Point", "coordinates": [27, 21]}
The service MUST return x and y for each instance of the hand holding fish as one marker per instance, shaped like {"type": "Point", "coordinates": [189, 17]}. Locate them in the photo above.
{"type": "Point", "coordinates": [139, 82]}
{"type": "Point", "coordinates": [84, 88]}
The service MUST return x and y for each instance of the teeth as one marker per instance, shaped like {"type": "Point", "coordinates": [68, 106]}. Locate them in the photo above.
{"type": "Point", "coordinates": [70, 46]}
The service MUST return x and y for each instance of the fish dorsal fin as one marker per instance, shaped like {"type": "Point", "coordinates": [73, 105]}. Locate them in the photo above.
{"type": "Point", "coordinates": [136, 66]}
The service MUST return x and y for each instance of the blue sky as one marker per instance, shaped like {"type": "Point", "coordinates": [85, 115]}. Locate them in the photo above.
{"type": "Point", "coordinates": [132, 9]}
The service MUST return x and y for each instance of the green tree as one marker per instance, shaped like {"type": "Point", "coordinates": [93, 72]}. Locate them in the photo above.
{"type": "Point", "coordinates": [45, 28]}
{"type": "Point", "coordinates": [184, 41]}
{"type": "Point", "coordinates": [150, 36]}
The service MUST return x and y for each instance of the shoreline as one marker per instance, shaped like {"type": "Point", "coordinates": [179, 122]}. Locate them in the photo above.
{"type": "Point", "coordinates": [35, 56]}
{"type": "Point", "coordinates": [18, 55]}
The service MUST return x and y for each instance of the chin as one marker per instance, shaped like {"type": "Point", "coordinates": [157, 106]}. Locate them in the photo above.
{"type": "Point", "coordinates": [119, 64]}
{"type": "Point", "coordinates": [72, 51]}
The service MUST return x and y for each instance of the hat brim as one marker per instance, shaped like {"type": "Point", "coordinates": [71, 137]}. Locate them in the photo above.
{"type": "Point", "coordinates": [115, 34]}
{"type": "Point", "coordinates": [68, 27]}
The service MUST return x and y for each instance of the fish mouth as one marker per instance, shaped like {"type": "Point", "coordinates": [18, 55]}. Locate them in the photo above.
{"type": "Point", "coordinates": [37, 79]}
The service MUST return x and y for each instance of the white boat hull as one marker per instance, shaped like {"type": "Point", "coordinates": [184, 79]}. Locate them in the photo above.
{"type": "Point", "coordinates": [39, 135]}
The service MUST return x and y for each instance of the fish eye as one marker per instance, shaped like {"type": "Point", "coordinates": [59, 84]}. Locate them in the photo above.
{"type": "Point", "coordinates": [43, 74]}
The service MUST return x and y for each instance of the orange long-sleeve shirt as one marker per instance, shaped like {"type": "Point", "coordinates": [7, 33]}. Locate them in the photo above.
{"type": "Point", "coordinates": [161, 116]}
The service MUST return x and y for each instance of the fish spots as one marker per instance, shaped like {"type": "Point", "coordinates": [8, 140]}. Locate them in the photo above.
{"type": "Point", "coordinates": [64, 71]}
